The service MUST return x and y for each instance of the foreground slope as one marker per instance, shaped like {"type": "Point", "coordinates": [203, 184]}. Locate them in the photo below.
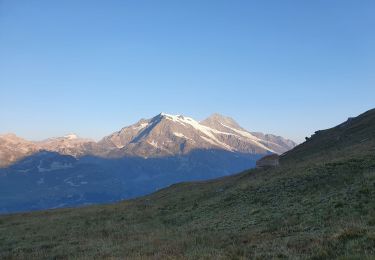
{"type": "Point", "coordinates": [312, 206]}
{"type": "Point", "coordinates": [354, 137]}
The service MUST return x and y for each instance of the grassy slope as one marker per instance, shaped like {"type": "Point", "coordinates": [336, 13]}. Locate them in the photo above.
{"type": "Point", "coordinates": [355, 137]}
{"type": "Point", "coordinates": [315, 205]}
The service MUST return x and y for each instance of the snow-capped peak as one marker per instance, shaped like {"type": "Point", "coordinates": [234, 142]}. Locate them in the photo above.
{"type": "Point", "coordinates": [178, 118]}
{"type": "Point", "coordinates": [164, 114]}
{"type": "Point", "coordinates": [71, 136]}
{"type": "Point", "coordinates": [166, 134]}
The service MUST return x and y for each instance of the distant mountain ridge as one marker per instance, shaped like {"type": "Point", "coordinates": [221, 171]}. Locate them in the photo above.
{"type": "Point", "coordinates": [162, 135]}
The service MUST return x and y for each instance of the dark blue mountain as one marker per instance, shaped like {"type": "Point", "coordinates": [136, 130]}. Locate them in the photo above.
{"type": "Point", "coordinates": [51, 180]}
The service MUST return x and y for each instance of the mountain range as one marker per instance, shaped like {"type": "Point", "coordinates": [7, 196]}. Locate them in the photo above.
{"type": "Point", "coordinates": [136, 160]}
{"type": "Point", "coordinates": [318, 203]}
{"type": "Point", "coordinates": [162, 135]}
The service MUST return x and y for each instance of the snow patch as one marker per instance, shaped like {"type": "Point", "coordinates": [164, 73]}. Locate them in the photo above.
{"type": "Point", "coordinates": [249, 136]}
{"type": "Point", "coordinates": [210, 134]}
{"type": "Point", "coordinates": [71, 136]}
{"type": "Point", "coordinates": [141, 126]}
{"type": "Point", "coordinates": [72, 184]}
{"type": "Point", "coordinates": [209, 140]}
{"type": "Point", "coordinates": [153, 143]}
{"type": "Point", "coordinates": [68, 181]}
{"type": "Point", "coordinates": [181, 135]}
{"type": "Point", "coordinates": [54, 166]}
{"type": "Point", "coordinates": [207, 131]}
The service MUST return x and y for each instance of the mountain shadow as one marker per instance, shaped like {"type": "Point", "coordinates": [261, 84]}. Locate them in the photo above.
{"type": "Point", "coordinates": [50, 180]}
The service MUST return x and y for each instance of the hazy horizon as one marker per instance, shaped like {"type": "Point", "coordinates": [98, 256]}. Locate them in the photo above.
{"type": "Point", "coordinates": [91, 68]}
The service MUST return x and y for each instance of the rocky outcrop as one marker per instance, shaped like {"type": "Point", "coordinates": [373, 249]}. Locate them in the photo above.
{"type": "Point", "coordinates": [14, 148]}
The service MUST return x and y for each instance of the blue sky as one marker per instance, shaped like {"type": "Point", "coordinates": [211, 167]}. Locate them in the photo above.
{"type": "Point", "coordinates": [92, 67]}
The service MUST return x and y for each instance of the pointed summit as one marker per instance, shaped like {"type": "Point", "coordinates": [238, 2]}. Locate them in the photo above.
{"type": "Point", "coordinates": [71, 136]}
{"type": "Point", "coordinates": [220, 122]}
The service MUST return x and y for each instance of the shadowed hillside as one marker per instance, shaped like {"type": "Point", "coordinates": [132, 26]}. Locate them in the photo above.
{"type": "Point", "coordinates": [320, 204]}
{"type": "Point", "coordinates": [48, 180]}
{"type": "Point", "coordinates": [354, 137]}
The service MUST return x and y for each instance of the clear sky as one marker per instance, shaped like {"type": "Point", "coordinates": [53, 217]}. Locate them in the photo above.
{"type": "Point", "coordinates": [92, 67]}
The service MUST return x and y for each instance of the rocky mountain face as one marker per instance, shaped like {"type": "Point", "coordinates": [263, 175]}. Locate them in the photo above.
{"type": "Point", "coordinates": [277, 143]}
{"type": "Point", "coordinates": [273, 143]}
{"type": "Point", "coordinates": [13, 148]}
{"type": "Point", "coordinates": [70, 144]}
{"type": "Point", "coordinates": [165, 135]}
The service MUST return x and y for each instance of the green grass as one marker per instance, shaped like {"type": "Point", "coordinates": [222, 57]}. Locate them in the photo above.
{"type": "Point", "coordinates": [311, 207]}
